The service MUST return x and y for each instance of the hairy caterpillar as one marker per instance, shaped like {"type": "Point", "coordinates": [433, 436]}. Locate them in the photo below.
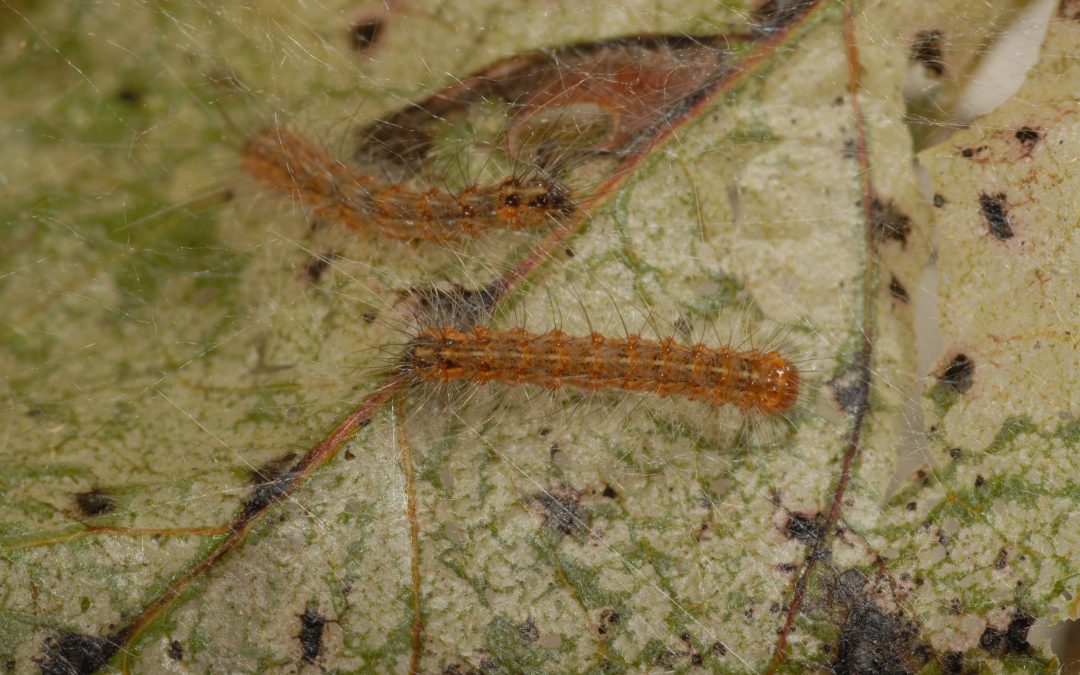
{"type": "Point", "coordinates": [290, 164]}
{"type": "Point", "coordinates": [754, 381]}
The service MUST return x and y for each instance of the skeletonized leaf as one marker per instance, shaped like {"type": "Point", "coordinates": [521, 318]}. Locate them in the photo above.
{"type": "Point", "coordinates": [176, 344]}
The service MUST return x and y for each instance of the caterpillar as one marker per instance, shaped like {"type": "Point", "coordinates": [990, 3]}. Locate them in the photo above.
{"type": "Point", "coordinates": [752, 380]}
{"type": "Point", "coordinates": [289, 164]}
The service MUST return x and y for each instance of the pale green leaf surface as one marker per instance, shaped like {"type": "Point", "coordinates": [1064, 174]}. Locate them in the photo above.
{"type": "Point", "coordinates": [158, 343]}
{"type": "Point", "coordinates": [1010, 305]}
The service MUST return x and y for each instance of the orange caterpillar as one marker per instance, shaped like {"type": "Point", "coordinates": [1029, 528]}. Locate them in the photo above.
{"type": "Point", "coordinates": [754, 381]}
{"type": "Point", "coordinates": [289, 164]}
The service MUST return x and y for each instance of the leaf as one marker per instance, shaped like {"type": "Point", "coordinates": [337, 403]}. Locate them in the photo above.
{"type": "Point", "coordinates": [205, 464]}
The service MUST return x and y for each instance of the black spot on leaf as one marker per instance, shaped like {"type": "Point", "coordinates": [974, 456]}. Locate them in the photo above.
{"type": "Point", "coordinates": [609, 619]}
{"type": "Point", "coordinates": [176, 651]}
{"type": "Point", "coordinates": [75, 654]}
{"type": "Point", "coordinates": [312, 625]}
{"type": "Point", "coordinates": [318, 264]}
{"type": "Point", "coordinates": [996, 211]}
{"type": "Point", "coordinates": [528, 631]}
{"type": "Point", "coordinates": [129, 95]}
{"type": "Point", "coordinates": [683, 328]}
{"type": "Point", "coordinates": [958, 375]}
{"type": "Point", "coordinates": [939, 201]}
{"type": "Point", "coordinates": [364, 33]}
{"type": "Point", "coordinates": [666, 658]}
{"type": "Point", "coordinates": [1002, 560]}
{"type": "Point", "coordinates": [993, 640]}
{"type": "Point", "coordinates": [1017, 632]}
{"type": "Point", "coordinates": [889, 222]}
{"type": "Point", "coordinates": [806, 529]}
{"type": "Point", "coordinates": [562, 510]}
{"type": "Point", "coordinates": [1028, 137]}
{"type": "Point", "coordinates": [271, 481]}
{"type": "Point", "coordinates": [872, 640]}
{"type": "Point", "coordinates": [850, 390]}
{"type": "Point", "coordinates": [95, 502]}
{"type": "Point", "coordinates": [1012, 640]}
{"type": "Point", "coordinates": [945, 541]}
{"type": "Point", "coordinates": [897, 290]}
{"type": "Point", "coordinates": [926, 49]}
